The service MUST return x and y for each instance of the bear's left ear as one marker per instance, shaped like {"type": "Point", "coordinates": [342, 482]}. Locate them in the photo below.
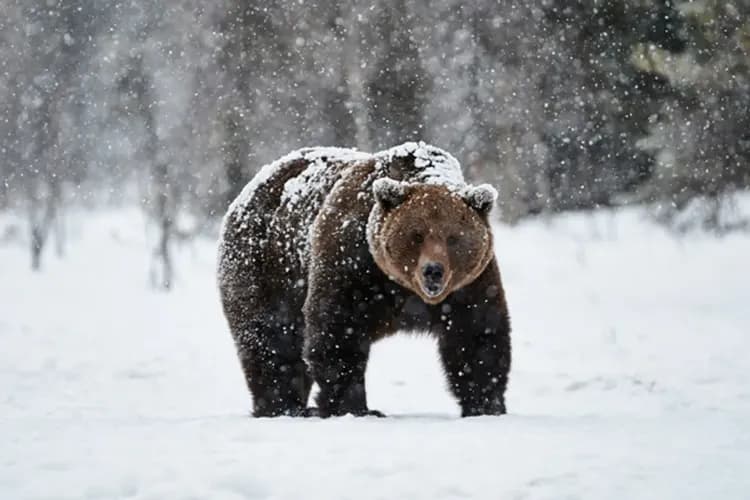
{"type": "Point", "coordinates": [481, 198]}
{"type": "Point", "coordinates": [389, 193]}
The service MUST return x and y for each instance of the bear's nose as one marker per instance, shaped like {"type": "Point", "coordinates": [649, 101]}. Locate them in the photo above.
{"type": "Point", "coordinates": [433, 273]}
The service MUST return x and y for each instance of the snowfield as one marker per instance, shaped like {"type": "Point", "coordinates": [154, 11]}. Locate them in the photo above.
{"type": "Point", "coordinates": [630, 379]}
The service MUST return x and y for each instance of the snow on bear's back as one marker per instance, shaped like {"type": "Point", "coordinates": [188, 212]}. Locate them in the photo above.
{"type": "Point", "coordinates": [324, 167]}
{"type": "Point", "coordinates": [294, 188]}
{"type": "Point", "coordinates": [431, 165]}
{"type": "Point", "coordinates": [315, 156]}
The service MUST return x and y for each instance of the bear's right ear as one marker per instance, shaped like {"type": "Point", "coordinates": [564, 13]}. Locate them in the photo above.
{"type": "Point", "coordinates": [481, 198]}
{"type": "Point", "coordinates": [389, 193]}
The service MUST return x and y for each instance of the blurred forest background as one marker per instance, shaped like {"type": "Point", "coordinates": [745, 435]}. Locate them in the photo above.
{"type": "Point", "coordinates": [562, 104]}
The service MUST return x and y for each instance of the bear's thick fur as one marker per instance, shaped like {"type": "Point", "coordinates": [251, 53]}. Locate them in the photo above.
{"type": "Point", "coordinates": [328, 250]}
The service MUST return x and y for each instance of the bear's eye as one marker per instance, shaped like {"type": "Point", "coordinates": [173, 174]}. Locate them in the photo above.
{"type": "Point", "coordinates": [452, 240]}
{"type": "Point", "coordinates": [417, 237]}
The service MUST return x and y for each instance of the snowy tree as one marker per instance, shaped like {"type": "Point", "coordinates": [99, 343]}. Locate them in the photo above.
{"type": "Point", "coordinates": [11, 67]}
{"type": "Point", "coordinates": [397, 88]}
{"type": "Point", "coordinates": [51, 42]}
{"type": "Point", "coordinates": [701, 134]}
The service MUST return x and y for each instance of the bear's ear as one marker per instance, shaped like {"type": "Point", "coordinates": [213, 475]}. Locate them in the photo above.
{"type": "Point", "coordinates": [481, 198]}
{"type": "Point", "coordinates": [389, 193]}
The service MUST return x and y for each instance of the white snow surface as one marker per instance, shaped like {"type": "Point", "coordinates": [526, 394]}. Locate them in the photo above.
{"type": "Point", "coordinates": [630, 379]}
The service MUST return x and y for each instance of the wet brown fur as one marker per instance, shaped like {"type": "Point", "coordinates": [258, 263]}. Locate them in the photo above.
{"type": "Point", "coordinates": [329, 308]}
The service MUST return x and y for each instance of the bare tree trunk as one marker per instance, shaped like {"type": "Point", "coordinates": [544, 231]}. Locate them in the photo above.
{"type": "Point", "coordinates": [164, 219]}
{"type": "Point", "coordinates": [54, 208]}
{"type": "Point", "coordinates": [355, 80]}
{"type": "Point", "coordinates": [162, 206]}
{"type": "Point", "coordinates": [37, 232]}
{"type": "Point", "coordinates": [233, 149]}
{"type": "Point", "coordinates": [4, 190]}
{"type": "Point", "coordinates": [59, 230]}
{"type": "Point", "coordinates": [42, 215]}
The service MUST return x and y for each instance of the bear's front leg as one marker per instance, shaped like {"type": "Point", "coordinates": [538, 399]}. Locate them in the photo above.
{"type": "Point", "coordinates": [337, 347]}
{"type": "Point", "coordinates": [474, 343]}
{"type": "Point", "coordinates": [342, 306]}
{"type": "Point", "coordinates": [477, 370]}
{"type": "Point", "coordinates": [337, 357]}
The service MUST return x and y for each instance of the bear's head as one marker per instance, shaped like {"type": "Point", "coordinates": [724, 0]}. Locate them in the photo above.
{"type": "Point", "coordinates": [431, 239]}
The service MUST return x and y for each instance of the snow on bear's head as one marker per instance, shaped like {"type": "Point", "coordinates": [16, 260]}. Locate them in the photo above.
{"type": "Point", "coordinates": [430, 238]}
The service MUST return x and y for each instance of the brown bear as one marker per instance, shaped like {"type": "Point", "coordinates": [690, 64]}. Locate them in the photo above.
{"type": "Point", "coordinates": [328, 250]}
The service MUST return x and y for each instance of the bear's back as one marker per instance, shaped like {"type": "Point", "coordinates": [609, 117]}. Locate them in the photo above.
{"type": "Point", "coordinates": [266, 228]}
{"type": "Point", "coordinates": [289, 179]}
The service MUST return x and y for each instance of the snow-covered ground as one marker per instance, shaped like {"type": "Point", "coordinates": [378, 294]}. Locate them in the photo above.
{"type": "Point", "coordinates": [631, 379]}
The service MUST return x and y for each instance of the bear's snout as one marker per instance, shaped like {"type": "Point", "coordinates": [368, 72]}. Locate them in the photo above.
{"type": "Point", "coordinates": [432, 278]}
